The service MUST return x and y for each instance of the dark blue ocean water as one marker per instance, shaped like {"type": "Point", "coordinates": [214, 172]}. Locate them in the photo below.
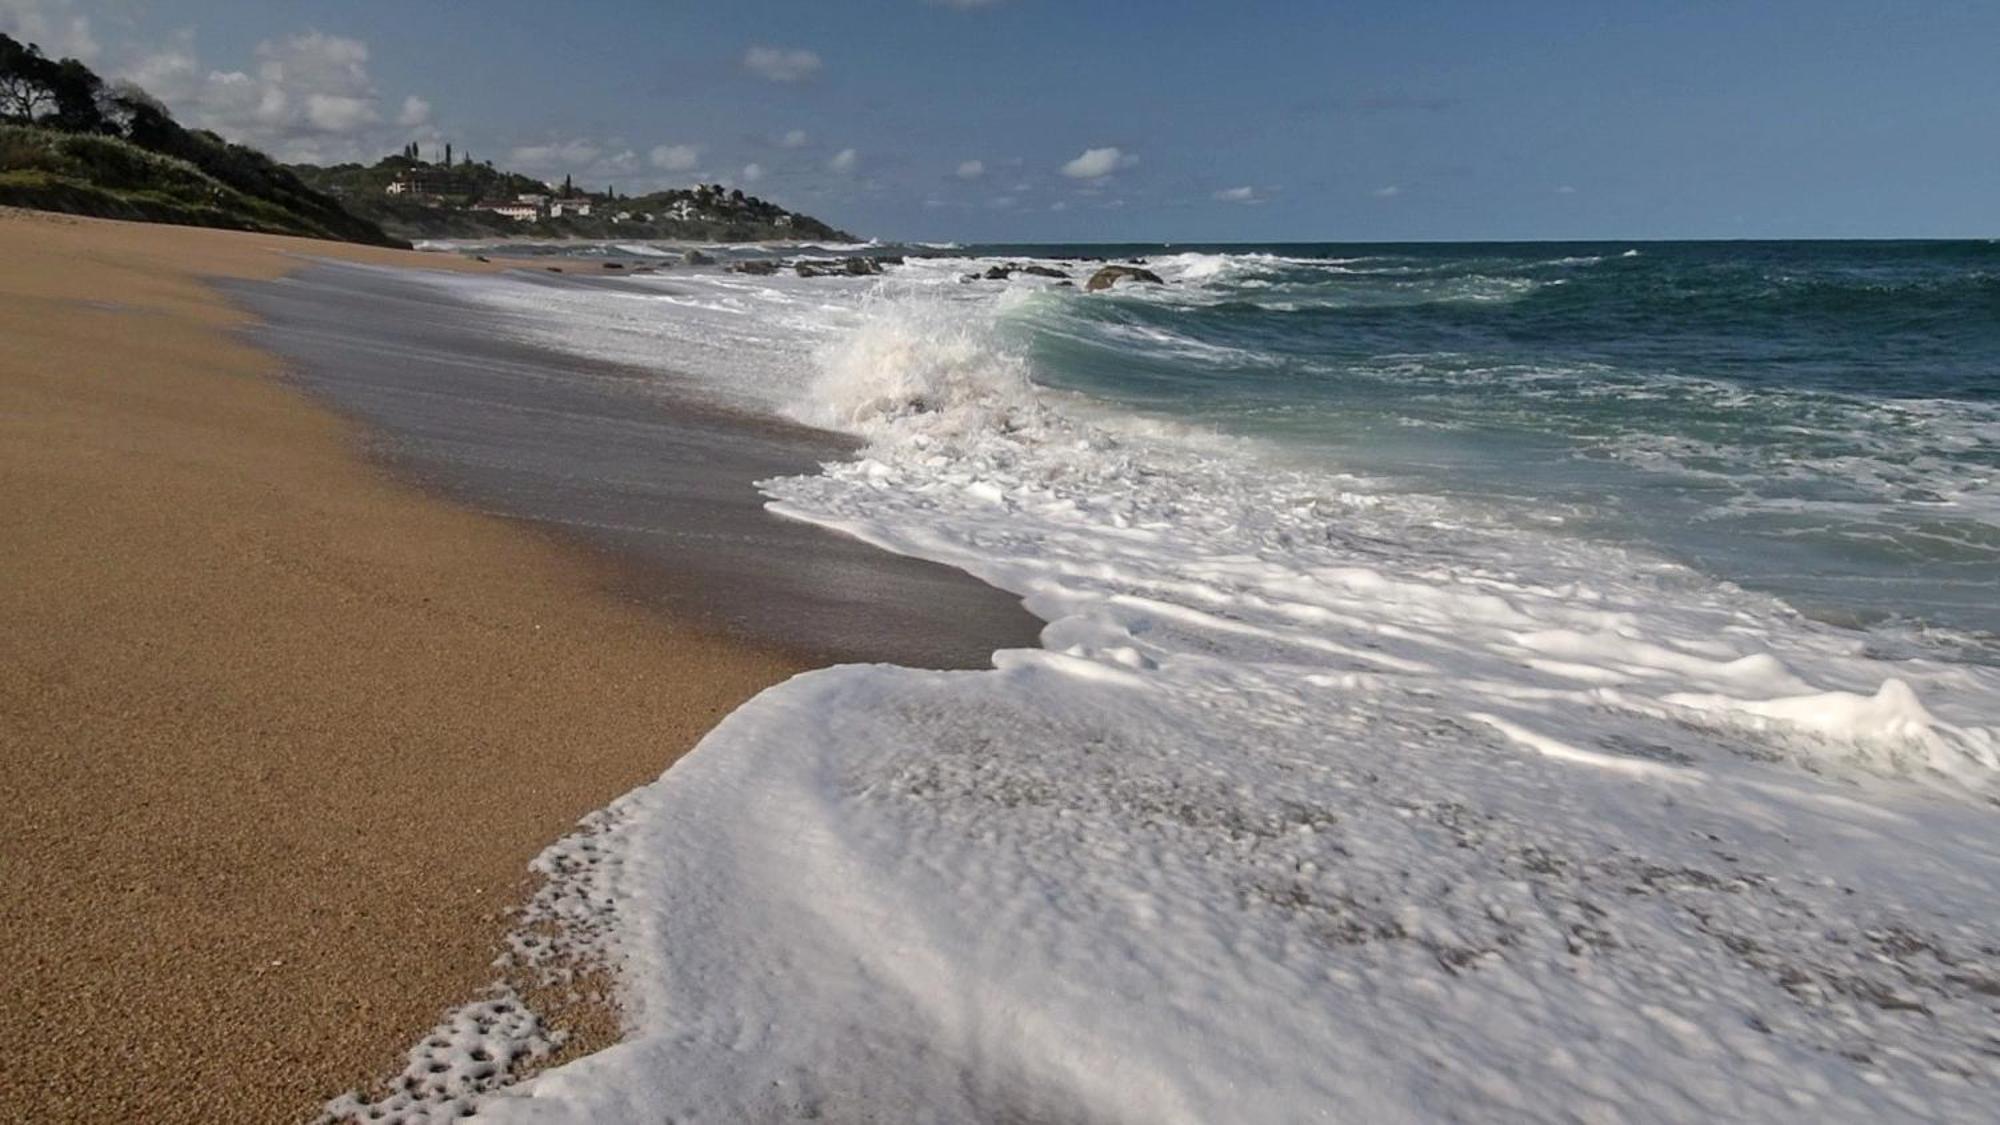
{"type": "Point", "coordinates": [1819, 420]}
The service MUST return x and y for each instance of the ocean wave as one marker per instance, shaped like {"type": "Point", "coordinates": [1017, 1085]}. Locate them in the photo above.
{"type": "Point", "coordinates": [1295, 757]}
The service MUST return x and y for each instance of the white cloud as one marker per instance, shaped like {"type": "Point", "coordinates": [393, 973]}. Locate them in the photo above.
{"type": "Point", "coordinates": [971, 169]}
{"type": "Point", "coordinates": [590, 162]}
{"type": "Point", "coordinates": [1097, 163]}
{"type": "Point", "coordinates": [1238, 195]}
{"type": "Point", "coordinates": [416, 111]}
{"type": "Point", "coordinates": [558, 156]}
{"type": "Point", "coordinates": [844, 161]}
{"type": "Point", "coordinates": [781, 64]}
{"type": "Point", "coordinates": [1059, 205]}
{"type": "Point", "coordinates": [752, 172]}
{"type": "Point", "coordinates": [309, 97]}
{"type": "Point", "coordinates": [1001, 202]}
{"type": "Point", "coordinates": [1565, 190]}
{"type": "Point", "coordinates": [171, 73]}
{"type": "Point", "coordinates": [53, 25]}
{"type": "Point", "coordinates": [794, 139]}
{"type": "Point", "coordinates": [675, 158]}
{"type": "Point", "coordinates": [1389, 192]}
{"type": "Point", "coordinates": [595, 162]}
{"type": "Point", "coordinates": [339, 113]}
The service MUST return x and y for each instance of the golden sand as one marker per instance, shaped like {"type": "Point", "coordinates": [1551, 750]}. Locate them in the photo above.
{"type": "Point", "coordinates": [278, 735]}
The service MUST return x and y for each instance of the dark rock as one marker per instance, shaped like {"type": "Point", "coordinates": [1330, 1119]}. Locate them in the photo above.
{"type": "Point", "coordinates": [889, 260]}
{"type": "Point", "coordinates": [1006, 270]}
{"type": "Point", "coordinates": [1065, 283]}
{"type": "Point", "coordinates": [861, 267]}
{"type": "Point", "coordinates": [614, 265]}
{"type": "Point", "coordinates": [1111, 275]}
{"type": "Point", "coordinates": [760, 267]}
{"type": "Point", "coordinates": [553, 269]}
{"type": "Point", "coordinates": [481, 258]}
{"type": "Point", "coordinates": [697, 258]}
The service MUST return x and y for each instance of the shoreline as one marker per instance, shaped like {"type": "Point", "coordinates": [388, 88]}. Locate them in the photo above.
{"type": "Point", "coordinates": [620, 462]}
{"type": "Point", "coordinates": [287, 728]}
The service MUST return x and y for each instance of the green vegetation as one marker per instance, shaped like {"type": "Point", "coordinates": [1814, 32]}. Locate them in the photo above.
{"type": "Point", "coordinates": [69, 142]}
{"type": "Point", "coordinates": [441, 200]}
{"type": "Point", "coordinates": [116, 179]}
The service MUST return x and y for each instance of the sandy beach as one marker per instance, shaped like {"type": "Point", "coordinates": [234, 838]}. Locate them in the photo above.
{"type": "Point", "coordinates": [282, 732]}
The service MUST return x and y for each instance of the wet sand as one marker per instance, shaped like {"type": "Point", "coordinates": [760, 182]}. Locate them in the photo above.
{"type": "Point", "coordinates": [612, 459]}
{"type": "Point", "coordinates": [281, 730]}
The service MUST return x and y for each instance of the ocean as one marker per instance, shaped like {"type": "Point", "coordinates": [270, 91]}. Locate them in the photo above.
{"type": "Point", "coordinates": [1816, 420]}
{"type": "Point", "coordinates": [1562, 679]}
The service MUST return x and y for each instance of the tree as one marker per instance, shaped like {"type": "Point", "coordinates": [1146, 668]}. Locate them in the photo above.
{"type": "Point", "coordinates": [447, 155]}
{"type": "Point", "coordinates": [147, 122]}
{"type": "Point", "coordinates": [76, 92]}
{"type": "Point", "coordinates": [26, 92]}
{"type": "Point", "coordinates": [567, 189]}
{"type": "Point", "coordinates": [61, 95]}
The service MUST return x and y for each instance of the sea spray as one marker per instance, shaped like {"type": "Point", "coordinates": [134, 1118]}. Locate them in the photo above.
{"type": "Point", "coordinates": [1325, 787]}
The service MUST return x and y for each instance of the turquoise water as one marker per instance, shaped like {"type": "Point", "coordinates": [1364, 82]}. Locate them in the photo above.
{"type": "Point", "coordinates": [1817, 420]}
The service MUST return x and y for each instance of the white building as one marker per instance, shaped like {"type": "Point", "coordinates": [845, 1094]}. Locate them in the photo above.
{"type": "Point", "coordinates": [422, 184]}
{"type": "Point", "coordinates": [519, 212]}
{"type": "Point", "coordinates": [562, 207]}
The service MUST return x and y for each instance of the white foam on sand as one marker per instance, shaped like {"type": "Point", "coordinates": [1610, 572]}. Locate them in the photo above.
{"type": "Point", "coordinates": [1316, 801]}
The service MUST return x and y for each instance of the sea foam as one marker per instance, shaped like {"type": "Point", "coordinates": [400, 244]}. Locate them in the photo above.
{"type": "Point", "coordinates": [1316, 796]}
{"type": "Point", "coordinates": [1317, 793]}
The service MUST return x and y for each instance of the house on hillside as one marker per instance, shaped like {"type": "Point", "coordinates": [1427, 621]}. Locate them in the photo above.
{"type": "Point", "coordinates": [576, 207]}
{"type": "Point", "coordinates": [512, 209]}
{"type": "Point", "coordinates": [423, 185]}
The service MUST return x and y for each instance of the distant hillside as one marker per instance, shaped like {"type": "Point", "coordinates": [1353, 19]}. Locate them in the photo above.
{"type": "Point", "coordinates": [69, 142]}
{"type": "Point", "coordinates": [415, 198]}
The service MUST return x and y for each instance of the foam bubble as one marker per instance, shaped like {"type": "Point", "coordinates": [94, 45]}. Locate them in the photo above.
{"type": "Point", "coordinates": [1315, 794]}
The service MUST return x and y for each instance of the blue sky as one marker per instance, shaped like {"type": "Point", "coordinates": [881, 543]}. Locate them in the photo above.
{"type": "Point", "coordinates": [1134, 119]}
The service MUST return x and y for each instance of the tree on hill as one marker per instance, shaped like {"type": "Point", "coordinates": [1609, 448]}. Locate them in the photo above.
{"type": "Point", "coordinates": [36, 90]}
{"type": "Point", "coordinates": [52, 104]}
